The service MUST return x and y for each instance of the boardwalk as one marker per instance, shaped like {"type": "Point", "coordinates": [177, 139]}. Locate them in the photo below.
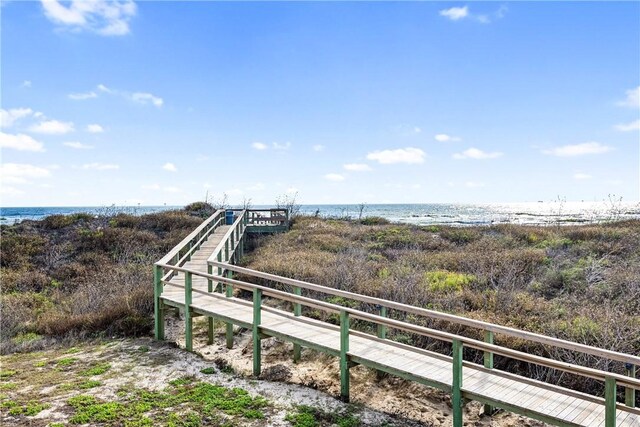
{"type": "Point", "coordinates": [191, 284]}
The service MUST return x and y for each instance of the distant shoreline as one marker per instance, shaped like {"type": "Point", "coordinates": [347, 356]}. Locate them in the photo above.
{"type": "Point", "coordinates": [462, 214]}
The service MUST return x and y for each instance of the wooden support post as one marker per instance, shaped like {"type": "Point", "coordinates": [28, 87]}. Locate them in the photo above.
{"type": "Point", "coordinates": [630, 393]}
{"type": "Point", "coordinates": [488, 363]}
{"type": "Point", "coordinates": [229, 326]}
{"type": "Point", "coordinates": [456, 387]}
{"type": "Point", "coordinates": [297, 311]}
{"type": "Point", "coordinates": [610, 402]}
{"type": "Point", "coordinates": [210, 319]}
{"type": "Point", "coordinates": [257, 319]}
{"type": "Point", "coordinates": [344, 360]}
{"type": "Point", "coordinates": [382, 334]}
{"type": "Point", "coordinates": [226, 250]}
{"type": "Point", "coordinates": [158, 305]}
{"type": "Point", "coordinates": [188, 321]}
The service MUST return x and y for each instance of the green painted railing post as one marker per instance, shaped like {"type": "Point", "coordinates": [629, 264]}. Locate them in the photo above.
{"type": "Point", "coordinates": [257, 319]}
{"type": "Point", "coordinates": [188, 321]}
{"type": "Point", "coordinates": [210, 319]}
{"type": "Point", "coordinates": [233, 244]}
{"type": "Point", "coordinates": [344, 360]}
{"type": "Point", "coordinates": [158, 306]}
{"type": "Point", "coordinates": [382, 334]}
{"type": "Point", "coordinates": [456, 387]}
{"type": "Point", "coordinates": [610, 402]}
{"type": "Point", "coordinates": [297, 311]}
{"type": "Point", "coordinates": [488, 363]}
{"type": "Point", "coordinates": [630, 393]}
{"type": "Point", "coordinates": [219, 271]}
{"type": "Point", "coordinates": [229, 326]}
{"type": "Point", "coordinates": [226, 250]}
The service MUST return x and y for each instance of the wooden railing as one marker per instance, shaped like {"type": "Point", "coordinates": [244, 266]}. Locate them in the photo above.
{"type": "Point", "coordinates": [611, 379]}
{"type": "Point", "coordinates": [178, 256]}
{"type": "Point", "coordinates": [268, 217]}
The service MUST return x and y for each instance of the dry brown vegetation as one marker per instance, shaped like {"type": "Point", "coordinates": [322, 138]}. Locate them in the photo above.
{"type": "Point", "coordinates": [80, 274]}
{"type": "Point", "coordinates": [581, 283]}
{"type": "Point", "coordinates": [77, 275]}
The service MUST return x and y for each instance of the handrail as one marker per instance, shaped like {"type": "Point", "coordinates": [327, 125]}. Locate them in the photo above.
{"type": "Point", "coordinates": [542, 339]}
{"type": "Point", "coordinates": [421, 330]}
{"type": "Point", "coordinates": [230, 231]}
{"type": "Point", "coordinates": [176, 249]}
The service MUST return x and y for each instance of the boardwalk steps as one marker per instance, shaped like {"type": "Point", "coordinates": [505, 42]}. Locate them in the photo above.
{"type": "Point", "coordinates": [193, 274]}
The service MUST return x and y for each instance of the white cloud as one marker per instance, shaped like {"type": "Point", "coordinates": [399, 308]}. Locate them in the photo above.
{"type": "Point", "coordinates": [52, 127]}
{"type": "Point", "coordinates": [20, 173]}
{"type": "Point", "coordinates": [581, 176]}
{"type": "Point", "coordinates": [632, 100]}
{"type": "Point", "coordinates": [99, 166]}
{"type": "Point", "coordinates": [628, 127]}
{"type": "Point", "coordinates": [334, 177]}
{"type": "Point", "coordinates": [578, 149]}
{"type": "Point", "coordinates": [9, 117]}
{"type": "Point", "coordinates": [26, 83]}
{"type": "Point", "coordinates": [20, 142]}
{"type": "Point", "coordinates": [143, 98]}
{"type": "Point", "coordinates": [407, 155]}
{"type": "Point", "coordinates": [95, 128]}
{"type": "Point", "coordinates": [459, 13]}
{"type": "Point", "coordinates": [170, 167]}
{"type": "Point", "coordinates": [259, 146]}
{"type": "Point", "coordinates": [77, 145]}
{"type": "Point", "coordinates": [147, 98]}
{"type": "Point", "coordinates": [475, 153]}
{"type": "Point", "coordinates": [443, 137]}
{"type": "Point", "coordinates": [285, 146]}
{"type": "Point", "coordinates": [82, 96]}
{"type": "Point", "coordinates": [357, 167]}
{"type": "Point", "coordinates": [109, 18]}
{"type": "Point", "coordinates": [455, 13]}
{"type": "Point", "coordinates": [318, 148]}
{"type": "Point", "coordinates": [474, 184]}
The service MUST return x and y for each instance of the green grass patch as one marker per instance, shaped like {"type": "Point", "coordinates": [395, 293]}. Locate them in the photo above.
{"type": "Point", "coordinates": [7, 373]}
{"type": "Point", "coordinates": [208, 371]}
{"type": "Point", "coordinates": [26, 337]}
{"type": "Point", "coordinates": [67, 361]}
{"type": "Point", "coordinates": [28, 409]}
{"type": "Point", "coordinates": [447, 281]}
{"type": "Point", "coordinates": [185, 402]}
{"type": "Point", "coordinates": [308, 416]}
{"type": "Point", "coordinates": [8, 386]}
{"type": "Point", "coordinates": [97, 369]}
{"type": "Point", "coordinates": [85, 385]}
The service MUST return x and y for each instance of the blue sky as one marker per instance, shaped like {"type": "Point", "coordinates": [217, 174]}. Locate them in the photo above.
{"type": "Point", "coordinates": [162, 102]}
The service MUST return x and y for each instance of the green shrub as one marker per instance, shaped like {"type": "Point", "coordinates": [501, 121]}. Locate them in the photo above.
{"type": "Point", "coordinates": [447, 281]}
{"type": "Point", "coordinates": [374, 220]}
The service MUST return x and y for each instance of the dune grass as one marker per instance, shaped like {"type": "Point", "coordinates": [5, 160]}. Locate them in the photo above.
{"type": "Point", "coordinates": [580, 283]}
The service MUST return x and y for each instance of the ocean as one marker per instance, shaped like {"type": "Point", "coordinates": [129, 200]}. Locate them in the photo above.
{"type": "Point", "coordinates": [531, 213]}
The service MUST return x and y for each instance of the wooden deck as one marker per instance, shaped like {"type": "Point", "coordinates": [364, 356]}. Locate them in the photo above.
{"type": "Point", "coordinates": [536, 399]}
{"type": "Point", "coordinates": [212, 247]}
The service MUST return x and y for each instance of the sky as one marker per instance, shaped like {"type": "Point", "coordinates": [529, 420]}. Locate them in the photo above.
{"type": "Point", "coordinates": [157, 103]}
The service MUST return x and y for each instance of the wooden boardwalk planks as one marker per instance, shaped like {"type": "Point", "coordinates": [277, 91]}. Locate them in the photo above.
{"type": "Point", "coordinates": [528, 397]}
